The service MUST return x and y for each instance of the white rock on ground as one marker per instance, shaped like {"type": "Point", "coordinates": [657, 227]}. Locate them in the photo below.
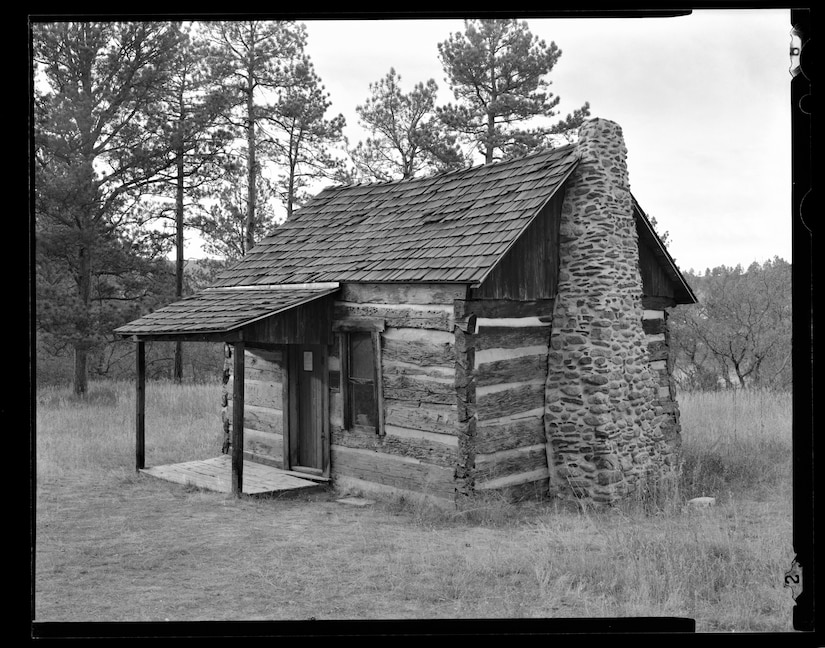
{"type": "Point", "coordinates": [356, 501]}
{"type": "Point", "coordinates": [702, 502]}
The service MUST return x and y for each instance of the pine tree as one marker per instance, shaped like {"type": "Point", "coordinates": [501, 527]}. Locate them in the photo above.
{"type": "Point", "coordinates": [222, 226]}
{"type": "Point", "coordinates": [194, 102]}
{"type": "Point", "coordinates": [407, 138]}
{"type": "Point", "coordinates": [99, 143]}
{"type": "Point", "coordinates": [301, 135]}
{"type": "Point", "coordinates": [496, 70]}
{"type": "Point", "coordinates": [253, 58]}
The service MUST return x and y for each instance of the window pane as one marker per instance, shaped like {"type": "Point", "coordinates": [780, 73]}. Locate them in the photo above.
{"type": "Point", "coordinates": [360, 358]}
{"type": "Point", "coordinates": [335, 380]}
{"type": "Point", "coordinates": [362, 399]}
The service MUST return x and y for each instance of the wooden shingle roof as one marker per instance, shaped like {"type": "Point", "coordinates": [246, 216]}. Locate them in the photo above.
{"type": "Point", "coordinates": [220, 310]}
{"type": "Point", "coordinates": [450, 228]}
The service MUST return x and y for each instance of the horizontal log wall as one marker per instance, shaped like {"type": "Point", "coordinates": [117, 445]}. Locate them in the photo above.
{"type": "Point", "coordinates": [423, 316]}
{"type": "Point", "coordinates": [657, 336]}
{"type": "Point", "coordinates": [263, 405]}
{"type": "Point", "coordinates": [402, 293]}
{"type": "Point", "coordinates": [511, 345]}
{"type": "Point", "coordinates": [392, 470]}
{"type": "Point", "coordinates": [659, 296]}
{"type": "Point", "coordinates": [418, 449]}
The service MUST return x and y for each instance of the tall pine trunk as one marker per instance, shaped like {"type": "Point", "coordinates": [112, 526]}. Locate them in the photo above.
{"type": "Point", "coordinates": [491, 129]}
{"type": "Point", "coordinates": [178, 367]}
{"type": "Point", "coordinates": [249, 228]}
{"type": "Point", "coordinates": [290, 201]}
{"type": "Point", "coordinates": [81, 381]}
{"type": "Point", "coordinates": [491, 118]}
{"type": "Point", "coordinates": [249, 225]}
{"type": "Point", "coordinates": [81, 347]}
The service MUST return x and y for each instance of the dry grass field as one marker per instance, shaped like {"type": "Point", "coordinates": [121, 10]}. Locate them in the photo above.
{"type": "Point", "coordinates": [113, 545]}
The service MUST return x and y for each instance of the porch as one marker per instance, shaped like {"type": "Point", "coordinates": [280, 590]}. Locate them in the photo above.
{"type": "Point", "coordinates": [280, 317]}
{"type": "Point", "coordinates": [216, 475]}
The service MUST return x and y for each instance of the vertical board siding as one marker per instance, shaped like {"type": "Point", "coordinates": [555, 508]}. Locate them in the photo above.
{"type": "Point", "coordinates": [305, 324]}
{"type": "Point", "coordinates": [529, 270]}
{"type": "Point", "coordinates": [655, 282]}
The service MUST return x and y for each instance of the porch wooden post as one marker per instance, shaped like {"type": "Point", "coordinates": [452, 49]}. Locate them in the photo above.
{"type": "Point", "coordinates": [140, 405]}
{"type": "Point", "coordinates": [237, 418]}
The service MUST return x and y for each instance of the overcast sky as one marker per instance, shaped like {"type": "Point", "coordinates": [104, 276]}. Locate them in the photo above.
{"type": "Point", "coordinates": [703, 100]}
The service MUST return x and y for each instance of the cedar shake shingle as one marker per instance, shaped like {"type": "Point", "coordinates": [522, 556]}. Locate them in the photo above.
{"type": "Point", "coordinates": [217, 310]}
{"type": "Point", "coordinates": [408, 231]}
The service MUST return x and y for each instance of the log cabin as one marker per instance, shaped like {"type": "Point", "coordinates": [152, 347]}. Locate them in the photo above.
{"type": "Point", "coordinates": [498, 329]}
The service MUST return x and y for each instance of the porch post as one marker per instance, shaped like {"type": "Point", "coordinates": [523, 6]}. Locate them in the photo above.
{"type": "Point", "coordinates": [140, 405]}
{"type": "Point", "coordinates": [237, 418]}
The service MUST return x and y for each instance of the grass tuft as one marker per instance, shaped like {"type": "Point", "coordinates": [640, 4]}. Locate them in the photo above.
{"type": "Point", "coordinates": [735, 442]}
{"type": "Point", "coordinates": [96, 431]}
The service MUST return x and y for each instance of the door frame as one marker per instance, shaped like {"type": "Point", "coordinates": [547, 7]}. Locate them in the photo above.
{"type": "Point", "coordinates": [293, 367]}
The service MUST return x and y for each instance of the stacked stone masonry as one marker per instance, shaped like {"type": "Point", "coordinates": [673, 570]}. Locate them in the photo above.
{"type": "Point", "coordinates": [605, 418]}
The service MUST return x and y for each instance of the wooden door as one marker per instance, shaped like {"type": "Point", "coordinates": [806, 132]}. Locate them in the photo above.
{"type": "Point", "coordinates": [307, 407]}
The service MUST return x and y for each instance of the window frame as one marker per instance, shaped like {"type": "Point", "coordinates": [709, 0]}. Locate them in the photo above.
{"type": "Point", "coordinates": [374, 332]}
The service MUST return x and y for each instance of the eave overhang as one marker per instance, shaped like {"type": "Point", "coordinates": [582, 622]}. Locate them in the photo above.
{"type": "Point", "coordinates": [220, 314]}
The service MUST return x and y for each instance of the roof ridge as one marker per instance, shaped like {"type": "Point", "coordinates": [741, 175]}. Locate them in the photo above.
{"type": "Point", "coordinates": [442, 174]}
{"type": "Point", "coordinates": [296, 285]}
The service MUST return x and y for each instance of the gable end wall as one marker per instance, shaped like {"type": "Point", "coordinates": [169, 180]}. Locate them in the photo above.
{"type": "Point", "coordinates": [529, 270]}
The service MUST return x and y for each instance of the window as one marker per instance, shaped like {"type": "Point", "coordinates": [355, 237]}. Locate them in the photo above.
{"type": "Point", "coordinates": [362, 381]}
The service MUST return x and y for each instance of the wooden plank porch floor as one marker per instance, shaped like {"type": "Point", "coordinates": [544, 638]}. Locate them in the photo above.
{"type": "Point", "coordinates": [216, 475]}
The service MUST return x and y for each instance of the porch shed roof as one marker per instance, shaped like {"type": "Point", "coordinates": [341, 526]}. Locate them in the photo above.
{"type": "Point", "coordinates": [222, 310]}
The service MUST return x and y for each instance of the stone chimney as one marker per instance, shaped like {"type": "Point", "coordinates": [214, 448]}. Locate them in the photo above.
{"type": "Point", "coordinates": [605, 437]}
